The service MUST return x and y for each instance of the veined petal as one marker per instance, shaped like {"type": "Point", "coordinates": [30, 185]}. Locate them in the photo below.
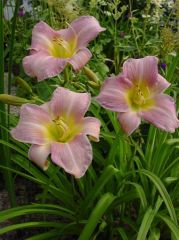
{"type": "Point", "coordinates": [161, 85]}
{"type": "Point", "coordinates": [143, 69]}
{"type": "Point", "coordinates": [129, 121]}
{"type": "Point", "coordinates": [46, 107]}
{"type": "Point", "coordinates": [42, 35]}
{"type": "Point", "coordinates": [112, 94]}
{"type": "Point", "coordinates": [80, 59]}
{"type": "Point", "coordinates": [163, 113]}
{"type": "Point", "coordinates": [91, 127]}
{"type": "Point", "coordinates": [38, 154]}
{"type": "Point", "coordinates": [74, 157]}
{"type": "Point", "coordinates": [86, 29]}
{"type": "Point", "coordinates": [42, 65]}
{"type": "Point", "coordinates": [32, 125]}
{"type": "Point", "coordinates": [69, 103]}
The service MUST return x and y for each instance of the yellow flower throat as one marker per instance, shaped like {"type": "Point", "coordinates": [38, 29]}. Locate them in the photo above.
{"type": "Point", "coordinates": [63, 129]}
{"type": "Point", "coordinates": [60, 48]}
{"type": "Point", "coordinates": [139, 96]}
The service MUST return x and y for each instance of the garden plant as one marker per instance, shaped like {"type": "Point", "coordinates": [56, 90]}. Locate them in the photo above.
{"type": "Point", "coordinates": [93, 123]}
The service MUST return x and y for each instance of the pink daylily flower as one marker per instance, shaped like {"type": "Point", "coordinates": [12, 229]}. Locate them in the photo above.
{"type": "Point", "coordinates": [138, 93]}
{"type": "Point", "coordinates": [51, 50]}
{"type": "Point", "coordinates": [60, 128]}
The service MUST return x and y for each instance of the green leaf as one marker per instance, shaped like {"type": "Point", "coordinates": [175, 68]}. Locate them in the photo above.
{"type": "Point", "coordinates": [173, 227]}
{"type": "Point", "coordinates": [95, 216]}
{"type": "Point", "coordinates": [122, 233]}
{"type": "Point", "coordinates": [109, 172]}
{"type": "Point", "coordinates": [31, 225]}
{"type": "Point", "coordinates": [163, 192]}
{"type": "Point", "coordinates": [147, 220]}
{"type": "Point", "coordinates": [36, 208]}
{"type": "Point", "coordinates": [155, 234]}
{"type": "Point", "coordinates": [141, 194]}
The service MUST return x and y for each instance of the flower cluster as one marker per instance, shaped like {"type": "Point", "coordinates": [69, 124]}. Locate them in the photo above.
{"type": "Point", "coordinates": [59, 127]}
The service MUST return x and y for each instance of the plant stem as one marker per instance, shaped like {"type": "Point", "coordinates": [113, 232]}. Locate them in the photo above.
{"type": "Point", "coordinates": [11, 45]}
{"type": "Point", "coordinates": [4, 150]}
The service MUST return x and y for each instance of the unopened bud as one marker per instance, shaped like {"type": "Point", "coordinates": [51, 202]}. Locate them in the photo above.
{"type": "Point", "coordinates": [90, 74]}
{"type": "Point", "coordinates": [80, 86]}
{"type": "Point", "coordinates": [13, 100]}
{"type": "Point", "coordinates": [94, 84]}
{"type": "Point", "coordinates": [24, 85]}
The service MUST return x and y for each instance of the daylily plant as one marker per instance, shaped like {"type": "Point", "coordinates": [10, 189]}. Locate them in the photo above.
{"type": "Point", "coordinates": [60, 128]}
{"type": "Point", "coordinates": [138, 93]}
{"type": "Point", "coordinates": [52, 50]}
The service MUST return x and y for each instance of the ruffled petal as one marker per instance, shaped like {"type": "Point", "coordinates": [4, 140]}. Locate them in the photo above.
{"type": "Point", "coordinates": [129, 121]}
{"type": "Point", "coordinates": [86, 29]}
{"type": "Point", "coordinates": [91, 127]}
{"type": "Point", "coordinates": [74, 157]}
{"type": "Point", "coordinates": [69, 103]}
{"type": "Point", "coordinates": [163, 113]}
{"type": "Point", "coordinates": [38, 154]}
{"type": "Point", "coordinates": [143, 69]}
{"type": "Point", "coordinates": [42, 35]}
{"type": "Point", "coordinates": [80, 59]}
{"type": "Point", "coordinates": [112, 94]}
{"type": "Point", "coordinates": [42, 65]}
{"type": "Point", "coordinates": [161, 85]}
{"type": "Point", "coordinates": [32, 125]}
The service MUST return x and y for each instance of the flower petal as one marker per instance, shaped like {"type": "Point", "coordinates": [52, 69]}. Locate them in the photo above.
{"type": "Point", "coordinates": [143, 69]}
{"type": "Point", "coordinates": [42, 65]}
{"type": "Point", "coordinates": [91, 126]}
{"type": "Point", "coordinates": [86, 29]}
{"type": "Point", "coordinates": [161, 85]}
{"type": "Point", "coordinates": [112, 94]}
{"type": "Point", "coordinates": [46, 107]}
{"type": "Point", "coordinates": [31, 127]}
{"type": "Point", "coordinates": [163, 113]}
{"type": "Point", "coordinates": [38, 154]}
{"type": "Point", "coordinates": [80, 59]}
{"type": "Point", "coordinates": [42, 35]}
{"type": "Point", "coordinates": [74, 157]}
{"type": "Point", "coordinates": [69, 103]}
{"type": "Point", "coordinates": [129, 121]}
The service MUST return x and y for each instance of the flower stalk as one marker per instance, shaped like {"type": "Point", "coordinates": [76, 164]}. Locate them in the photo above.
{"type": "Point", "coordinates": [4, 150]}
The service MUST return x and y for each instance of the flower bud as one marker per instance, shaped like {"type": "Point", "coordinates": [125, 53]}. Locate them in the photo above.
{"type": "Point", "coordinates": [24, 85]}
{"type": "Point", "coordinates": [90, 74]}
{"type": "Point", "coordinates": [13, 100]}
{"type": "Point", "coordinates": [94, 84]}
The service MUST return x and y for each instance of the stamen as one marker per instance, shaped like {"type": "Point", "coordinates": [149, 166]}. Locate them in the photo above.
{"type": "Point", "coordinates": [64, 131]}
{"type": "Point", "coordinates": [138, 97]}
{"type": "Point", "coordinates": [61, 42]}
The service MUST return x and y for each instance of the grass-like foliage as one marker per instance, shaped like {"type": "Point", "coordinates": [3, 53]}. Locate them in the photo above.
{"type": "Point", "coordinates": [131, 188]}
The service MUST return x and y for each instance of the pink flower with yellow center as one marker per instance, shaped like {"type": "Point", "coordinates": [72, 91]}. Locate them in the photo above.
{"type": "Point", "coordinates": [51, 50]}
{"type": "Point", "coordinates": [60, 128]}
{"type": "Point", "coordinates": [137, 93]}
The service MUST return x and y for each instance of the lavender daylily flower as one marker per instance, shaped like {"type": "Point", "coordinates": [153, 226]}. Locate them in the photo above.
{"type": "Point", "coordinates": [51, 50]}
{"type": "Point", "coordinates": [60, 128]}
{"type": "Point", "coordinates": [138, 93]}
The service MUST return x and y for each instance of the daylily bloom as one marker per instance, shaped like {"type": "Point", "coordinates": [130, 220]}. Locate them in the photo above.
{"type": "Point", "coordinates": [138, 93]}
{"type": "Point", "coordinates": [51, 50]}
{"type": "Point", "coordinates": [60, 128]}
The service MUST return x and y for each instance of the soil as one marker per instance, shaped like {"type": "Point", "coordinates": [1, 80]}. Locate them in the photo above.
{"type": "Point", "coordinates": [25, 192]}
